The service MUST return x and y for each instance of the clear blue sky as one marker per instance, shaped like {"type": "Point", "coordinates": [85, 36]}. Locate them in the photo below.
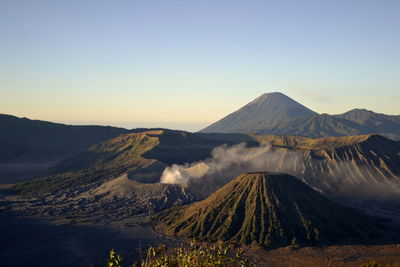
{"type": "Point", "coordinates": [184, 64]}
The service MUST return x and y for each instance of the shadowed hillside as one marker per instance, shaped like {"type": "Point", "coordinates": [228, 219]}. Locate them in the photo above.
{"type": "Point", "coordinates": [22, 139]}
{"type": "Point", "coordinates": [99, 163]}
{"type": "Point", "coordinates": [271, 209]}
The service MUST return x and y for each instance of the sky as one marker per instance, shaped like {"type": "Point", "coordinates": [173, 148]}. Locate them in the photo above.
{"type": "Point", "coordinates": [185, 64]}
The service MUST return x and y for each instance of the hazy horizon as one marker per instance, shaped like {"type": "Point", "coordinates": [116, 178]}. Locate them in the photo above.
{"type": "Point", "coordinates": [187, 126]}
{"type": "Point", "coordinates": [187, 64]}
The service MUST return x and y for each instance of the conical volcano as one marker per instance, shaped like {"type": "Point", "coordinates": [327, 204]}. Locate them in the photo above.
{"type": "Point", "coordinates": [263, 112]}
{"type": "Point", "coordinates": [271, 209]}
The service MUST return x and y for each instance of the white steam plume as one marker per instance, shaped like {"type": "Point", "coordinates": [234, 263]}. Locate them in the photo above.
{"type": "Point", "coordinates": [341, 177]}
{"type": "Point", "coordinates": [226, 163]}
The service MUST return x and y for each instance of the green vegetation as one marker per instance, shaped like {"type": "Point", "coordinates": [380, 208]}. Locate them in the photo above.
{"type": "Point", "coordinates": [114, 260]}
{"type": "Point", "coordinates": [197, 255]}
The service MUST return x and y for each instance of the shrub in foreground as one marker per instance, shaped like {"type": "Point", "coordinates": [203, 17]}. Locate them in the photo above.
{"type": "Point", "coordinates": [197, 255]}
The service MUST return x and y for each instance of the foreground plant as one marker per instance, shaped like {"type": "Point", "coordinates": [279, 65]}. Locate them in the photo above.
{"type": "Point", "coordinates": [197, 255]}
{"type": "Point", "coordinates": [114, 260]}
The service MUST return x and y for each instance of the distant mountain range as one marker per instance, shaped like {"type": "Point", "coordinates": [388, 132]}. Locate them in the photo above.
{"type": "Point", "coordinates": [25, 140]}
{"type": "Point", "coordinates": [276, 113]}
{"type": "Point", "coordinates": [22, 139]}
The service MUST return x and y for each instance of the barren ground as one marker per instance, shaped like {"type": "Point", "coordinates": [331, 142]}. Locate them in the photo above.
{"type": "Point", "coordinates": [349, 255]}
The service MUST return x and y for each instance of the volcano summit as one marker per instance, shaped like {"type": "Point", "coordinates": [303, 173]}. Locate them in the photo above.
{"type": "Point", "coordinates": [271, 209]}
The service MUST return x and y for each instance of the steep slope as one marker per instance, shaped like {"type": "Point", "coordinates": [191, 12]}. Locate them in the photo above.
{"type": "Point", "coordinates": [261, 113]}
{"type": "Point", "coordinates": [22, 139]}
{"type": "Point", "coordinates": [271, 209]}
{"type": "Point", "coordinates": [364, 167]}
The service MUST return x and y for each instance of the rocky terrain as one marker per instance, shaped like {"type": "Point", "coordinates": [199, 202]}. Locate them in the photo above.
{"type": "Point", "coordinates": [365, 166]}
{"type": "Point", "coordinates": [269, 209]}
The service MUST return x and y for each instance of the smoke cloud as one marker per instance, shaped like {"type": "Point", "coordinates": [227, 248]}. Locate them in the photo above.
{"type": "Point", "coordinates": [332, 177]}
{"type": "Point", "coordinates": [228, 162]}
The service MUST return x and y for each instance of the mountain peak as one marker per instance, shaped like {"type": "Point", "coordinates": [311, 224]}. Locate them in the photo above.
{"type": "Point", "coordinates": [266, 110]}
{"type": "Point", "coordinates": [275, 99]}
{"type": "Point", "coordinates": [271, 209]}
{"type": "Point", "coordinates": [376, 122]}
{"type": "Point", "coordinates": [272, 94]}
{"type": "Point", "coordinates": [360, 111]}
